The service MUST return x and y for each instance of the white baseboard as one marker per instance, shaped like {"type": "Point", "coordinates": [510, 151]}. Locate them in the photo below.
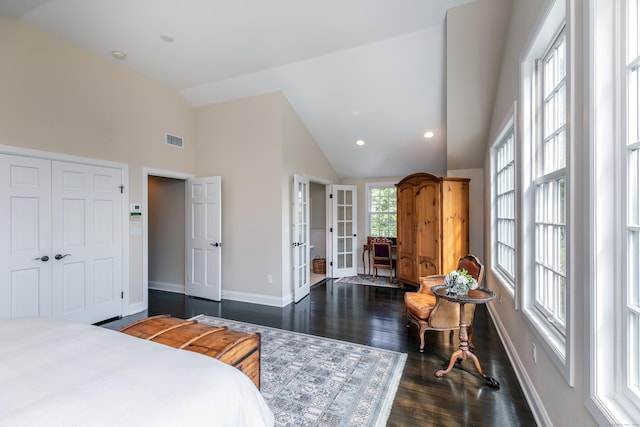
{"type": "Point", "coordinates": [530, 393]}
{"type": "Point", "coordinates": [257, 299]}
{"type": "Point", "coordinates": [177, 288]}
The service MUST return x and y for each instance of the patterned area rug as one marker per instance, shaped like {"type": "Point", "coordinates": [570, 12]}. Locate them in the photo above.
{"type": "Point", "coordinates": [314, 381]}
{"type": "Point", "coordinates": [365, 279]}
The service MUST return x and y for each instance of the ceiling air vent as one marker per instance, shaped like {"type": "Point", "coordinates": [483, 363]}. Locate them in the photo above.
{"type": "Point", "coordinates": [174, 140]}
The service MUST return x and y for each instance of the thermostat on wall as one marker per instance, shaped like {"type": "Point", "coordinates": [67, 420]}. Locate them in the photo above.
{"type": "Point", "coordinates": [136, 211]}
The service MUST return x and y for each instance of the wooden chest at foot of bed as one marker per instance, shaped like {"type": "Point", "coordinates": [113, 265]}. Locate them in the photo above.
{"type": "Point", "coordinates": [235, 348]}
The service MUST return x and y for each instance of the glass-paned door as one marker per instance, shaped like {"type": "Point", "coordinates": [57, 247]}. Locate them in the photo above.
{"type": "Point", "coordinates": [300, 237]}
{"type": "Point", "coordinates": [345, 225]}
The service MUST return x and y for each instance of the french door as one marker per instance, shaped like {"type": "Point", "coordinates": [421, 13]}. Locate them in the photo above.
{"type": "Point", "coordinates": [300, 237]}
{"type": "Point", "coordinates": [344, 227]}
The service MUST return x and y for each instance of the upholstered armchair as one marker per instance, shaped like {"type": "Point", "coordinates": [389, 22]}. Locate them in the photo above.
{"type": "Point", "coordinates": [429, 312]}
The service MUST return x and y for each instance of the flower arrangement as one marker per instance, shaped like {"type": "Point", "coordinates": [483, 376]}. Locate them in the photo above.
{"type": "Point", "coordinates": [460, 282]}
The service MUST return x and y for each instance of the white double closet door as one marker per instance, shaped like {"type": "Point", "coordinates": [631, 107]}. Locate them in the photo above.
{"type": "Point", "coordinates": [61, 239]}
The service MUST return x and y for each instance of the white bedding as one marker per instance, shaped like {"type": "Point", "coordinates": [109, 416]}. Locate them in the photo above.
{"type": "Point", "coordinates": [58, 373]}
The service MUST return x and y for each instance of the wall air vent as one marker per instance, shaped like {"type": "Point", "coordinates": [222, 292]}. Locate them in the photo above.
{"type": "Point", "coordinates": [173, 140]}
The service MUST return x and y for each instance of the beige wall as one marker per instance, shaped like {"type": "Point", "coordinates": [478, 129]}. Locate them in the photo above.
{"type": "Point", "coordinates": [241, 141]}
{"type": "Point", "coordinates": [58, 98]}
{"type": "Point", "coordinates": [302, 156]}
{"type": "Point", "coordinates": [256, 145]}
{"type": "Point", "coordinates": [476, 36]}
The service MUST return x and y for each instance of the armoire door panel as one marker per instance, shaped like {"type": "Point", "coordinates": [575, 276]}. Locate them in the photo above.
{"type": "Point", "coordinates": [405, 242]}
{"type": "Point", "coordinates": [427, 206]}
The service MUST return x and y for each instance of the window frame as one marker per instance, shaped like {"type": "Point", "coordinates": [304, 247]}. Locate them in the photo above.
{"type": "Point", "coordinates": [560, 348]}
{"type": "Point", "coordinates": [550, 217]}
{"type": "Point", "coordinates": [368, 187]}
{"type": "Point", "coordinates": [507, 129]}
{"type": "Point", "coordinates": [609, 400]}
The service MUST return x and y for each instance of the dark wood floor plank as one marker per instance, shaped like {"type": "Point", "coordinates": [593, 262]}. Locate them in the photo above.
{"type": "Point", "coordinates": [376, 316]}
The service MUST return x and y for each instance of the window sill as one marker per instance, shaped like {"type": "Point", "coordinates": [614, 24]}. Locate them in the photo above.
{"type": "Point", "coordinates": [553, 343]}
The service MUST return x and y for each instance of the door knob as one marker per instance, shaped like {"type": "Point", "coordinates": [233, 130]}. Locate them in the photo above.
{"type": "Point", "coordinates": [59, 256]}
{"type": "Point", "coordinates": [43, 258]}
{"type": "Point", "coordinates": [216, 244]}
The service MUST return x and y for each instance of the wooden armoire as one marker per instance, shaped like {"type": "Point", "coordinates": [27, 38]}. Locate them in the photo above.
{"type": "Point", "coordinates": [433, 225]}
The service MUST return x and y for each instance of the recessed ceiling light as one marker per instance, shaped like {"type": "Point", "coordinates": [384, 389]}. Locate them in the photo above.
{"type": "Point", "coordinates": [428, 134]}
{"type": "Point", "coordinates": [118, 55]}
{"type": "Point", "coordinates": [360, 143]}
{"type": "Point", "coordinates": [167, 38]}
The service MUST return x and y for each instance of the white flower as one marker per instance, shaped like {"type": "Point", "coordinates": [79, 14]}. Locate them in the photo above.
{"type": "Point", "coordinates": [460, 281]}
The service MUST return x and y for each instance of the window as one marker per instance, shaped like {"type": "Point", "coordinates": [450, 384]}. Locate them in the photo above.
{"type": "Point", "coordinates": [545, 172]}
{"type": "Point", "coordinates": [631, 159]}
{"type": "Point", "coordinates": [614, 101]}
{"type": "Point", "coordinates": [504, 195]}
{"type": "Point", "coordinates": [550, 189]}
{"type": "Point", "coordinates": [381, 208]}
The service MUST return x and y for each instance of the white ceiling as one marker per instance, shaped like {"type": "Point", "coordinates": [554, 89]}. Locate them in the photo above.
{"type": "Point", "coordinates": [357, 69]}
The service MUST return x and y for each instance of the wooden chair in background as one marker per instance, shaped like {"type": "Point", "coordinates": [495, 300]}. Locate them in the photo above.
{"type": "Point", "coordinates": [382, 257]}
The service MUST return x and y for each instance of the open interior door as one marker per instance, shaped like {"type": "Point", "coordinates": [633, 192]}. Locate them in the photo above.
{"type": "Point", "coordinates": [300, 237]}
{"type": "Point", "coordinates": [344, 226]}
{"type": "Point", "coordinates": [204, 246]}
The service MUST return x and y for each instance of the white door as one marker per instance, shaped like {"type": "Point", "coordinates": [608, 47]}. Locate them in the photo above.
{"type": "Point", "coordinates": [204, 246]}
{"type": "Point", "coordinates": [300, 236]}
{"type": "Point", "coordinates": [87, 242]}
{"type": "Point", "coordinates": [345, 225]}
{"type": "Point", "coordinates": [25, 237]}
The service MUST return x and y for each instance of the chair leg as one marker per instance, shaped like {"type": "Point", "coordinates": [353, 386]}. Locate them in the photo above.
{"type": "Point", "coordinates": [373, 276]}
{"type": "Point", "coordinates": [423, 331]}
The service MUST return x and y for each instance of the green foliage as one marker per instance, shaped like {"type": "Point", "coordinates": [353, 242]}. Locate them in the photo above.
{"type": "Point", "coordinates": [383, 217]}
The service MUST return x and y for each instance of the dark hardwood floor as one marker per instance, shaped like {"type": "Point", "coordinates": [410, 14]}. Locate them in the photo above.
{"type": "Point", "coordinates": [375, 316]}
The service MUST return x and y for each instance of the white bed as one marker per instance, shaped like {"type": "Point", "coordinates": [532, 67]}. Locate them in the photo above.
{"type": "Point", "coordinates": [54, 372]}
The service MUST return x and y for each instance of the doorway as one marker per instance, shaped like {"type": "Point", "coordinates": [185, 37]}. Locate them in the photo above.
{"type": "Point", "coordinates": [318, 232]}
{"type": "Point", "coordinates": [181, 229]}
{"type": "Point", "coordinates": [166, 233]}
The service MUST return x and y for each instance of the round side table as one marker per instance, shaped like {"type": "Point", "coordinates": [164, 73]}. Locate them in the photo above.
{"type": "Point", "coordinates": [474, 296]}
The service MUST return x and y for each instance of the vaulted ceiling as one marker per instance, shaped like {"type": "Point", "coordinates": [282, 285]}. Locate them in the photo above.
{"type": "Point", "coordinates": [370, 70]}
